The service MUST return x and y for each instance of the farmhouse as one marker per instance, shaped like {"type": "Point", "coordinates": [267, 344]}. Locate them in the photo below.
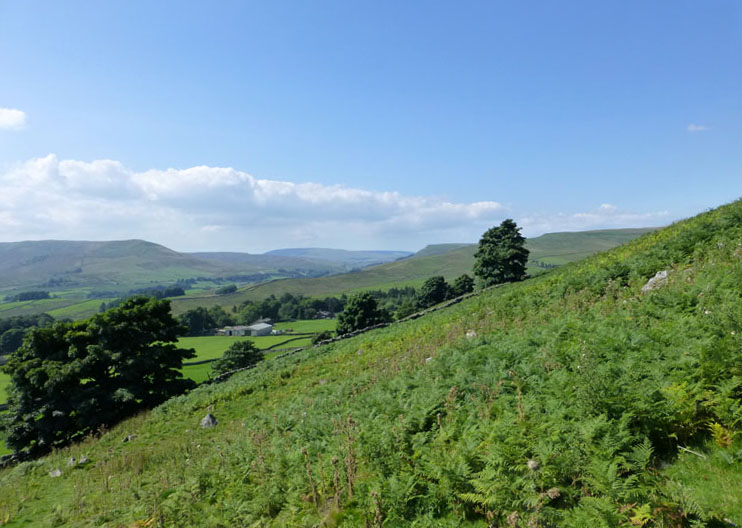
{"type": "Point", "coordinates": [258, 329]}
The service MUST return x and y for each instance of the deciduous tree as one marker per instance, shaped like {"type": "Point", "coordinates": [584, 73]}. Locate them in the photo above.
{"type": "Point", "coordinates": [360, 312]}
{"type": "Point", "coordinates": [502, 255]}
{"type": "Point", "coordinates": [71, 378]}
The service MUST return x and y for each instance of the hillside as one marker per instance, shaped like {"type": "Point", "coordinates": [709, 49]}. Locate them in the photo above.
{"type": "Point", "coordinates": [73, 271]}
{"type": "Point", "coordinates": [348, 259]}
{"type": "Point", "coordinates": [449, 260]}
{"type": "Point", "coordinates": [571, 399]}
{"type": "Point", "coordinates": [125, 264]}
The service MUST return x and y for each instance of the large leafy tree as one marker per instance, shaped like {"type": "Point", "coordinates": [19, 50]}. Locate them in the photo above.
{"type": "Point", "coordinates": [360, 312]}
{"type": "Point", "coordinates": [435, 290]}
{"type": "Point", "coordinates": [502, 255]}
{"type": "Point", "coordinates": [463, 285]}
{"type": "Point", "coordinates": [71, 378]}
{"type": "Point", "coordinates": [240, 354]}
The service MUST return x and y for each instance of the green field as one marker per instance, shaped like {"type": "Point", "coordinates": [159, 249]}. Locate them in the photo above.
{"type": "Point", "coordinates": [570, 399]}
{"type": "Point", "coordinates": [314, 326]}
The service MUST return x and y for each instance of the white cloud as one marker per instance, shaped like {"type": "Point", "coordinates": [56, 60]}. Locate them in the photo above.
{"type": "Point", "coordinates": [221, 208]}
{"type": "Point", "coordinates": [12, 119]}
{"type": "Point", "coordinates": [697, 128]}
{"type": "Point", "coordinates": [606, 216]}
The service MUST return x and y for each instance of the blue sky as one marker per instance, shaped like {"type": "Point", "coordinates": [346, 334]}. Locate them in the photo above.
{"type": "Point", "coordinates": [257, 125]}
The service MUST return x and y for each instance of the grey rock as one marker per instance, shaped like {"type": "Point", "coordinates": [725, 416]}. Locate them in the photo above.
{"type": "Point", "coordinates": [129, 438]}
{"type": "Point", "coordinates": [532, 465]}
{"type": "Point", "coordinates": [71, 462]}
{"type": "Point", "coordinates": [209, 421]}
{"type": "Point", "coordinates": [656, 282]}
{"type": "Point", "coordinates": [83, 460]}
{"type": "Point", "coordinates": [54, 473]}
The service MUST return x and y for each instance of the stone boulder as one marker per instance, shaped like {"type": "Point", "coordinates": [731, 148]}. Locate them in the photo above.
{"type": "Point", "coordinates": [209, 421]}
{"type": "Point", "coordinates": [656, 282]}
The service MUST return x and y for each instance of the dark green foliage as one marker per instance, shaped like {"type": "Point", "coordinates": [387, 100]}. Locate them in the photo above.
{"type": "Point", "coordinates": [12, 330]}
{"type": "Point", "coordinates": [224, 290]}
{"type": "Point", "coordinates": [361, 311]}
{"type": "Point", "coordinates": [198, 321]}
{"type": "Point", "coordinates": [462, 285]}
{"type": "Point", "coordinates": [239, 355]}
{"type": "Point", "coordinates": [435, 290]}
{"type": "Point", "coordinates": [288, 308]}
{"type": "Point", "coordinates": [71, 378]}
{"type": "Point", "coordinates": [28, 296]}
{"type": "Point", "coordinates": [502, 255]}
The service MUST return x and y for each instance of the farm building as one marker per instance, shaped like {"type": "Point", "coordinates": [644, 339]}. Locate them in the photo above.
{"type": "Point", "coordinates": [260, 329]}
{"type": "Point", "coordinates": [255, 330]}
{"type": "Point", "coordinates": [234, 331]}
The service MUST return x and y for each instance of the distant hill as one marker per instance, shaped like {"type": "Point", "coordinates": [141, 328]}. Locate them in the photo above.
{"type": "Point", "coordinates": [116, 264]}
{"type": "Point", "coordinates": [439, 249]}
{"type": "Point", "coordinates": [449, 260]}
{"type": "Point", "coordinates": [335, 259]}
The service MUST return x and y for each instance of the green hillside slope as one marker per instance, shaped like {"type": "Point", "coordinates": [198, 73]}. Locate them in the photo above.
{"type": "Point", "coordinates": [449, 260]}
{"type": "Point", "coordinates": [571, 399]}
{"type": "Point", "coordinates": [125, 264]}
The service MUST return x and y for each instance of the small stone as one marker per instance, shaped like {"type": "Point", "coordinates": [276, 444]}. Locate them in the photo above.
{"type": "Point", "coordinates": [209, 421]}
{"type": "Point", "coordinates": [513, 519]}
{"type": "Point", "coordinates": [471, 334]}
{"type": "Point", "coordinates": [83, 460]}
{"type": "Point", "coordinates": [54, 473]}
{"type": "Point", "coordinates": [71, 462]}
{"type": "Point", "coordinates": [553, 493]}
{"type": "Point", "coordinates": [129, 438]}
{"type": "Point", "coordinates": [428, 359]}
{"type": "Point", "coordinates": [532, 465]}
{"type": "Point", "coordinates": [659, 280]}
{"type": "Point", "coordinates": [323, 382]}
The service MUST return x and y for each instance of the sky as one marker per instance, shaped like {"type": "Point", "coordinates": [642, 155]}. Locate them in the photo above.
{"type": "Point", "coordinates": [250, 126]}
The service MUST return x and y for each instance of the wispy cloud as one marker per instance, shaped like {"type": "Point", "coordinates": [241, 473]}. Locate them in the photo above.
{"type": "Point", "coordinates": [606, 216]}
{"type": "Point", "coordinates": [12, 119]}
{"type": "Point", "coordinates": [697, 128]}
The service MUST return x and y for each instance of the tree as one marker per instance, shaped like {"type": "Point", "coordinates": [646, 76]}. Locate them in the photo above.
{"type": "Point", "coordinates": [361, 311]}
{"type": "Point", "coordinates": [240, 354]}
{"type": "Point", "coordinates": [435, 290]}
{"type": "Point", "coordinates": [197, 320]}
{"type": "Point", "coordinates": [11, 340]}
{"type": "Point", "coordinates": [463, 285]}
{"type": "Point", "coordinates": [502, 255]}
{"type": "Point", "coordinates": [71, 378]}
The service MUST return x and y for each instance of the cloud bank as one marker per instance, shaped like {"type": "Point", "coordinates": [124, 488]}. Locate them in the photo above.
{"type": "Point", "coordinates": [12, 119]}
{"type": "Point", "coordinates": [218, 208]}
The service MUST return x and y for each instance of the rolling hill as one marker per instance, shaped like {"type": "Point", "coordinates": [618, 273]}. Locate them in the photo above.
{"type": "Point", "coordinates": [449, 260]}
{"type": "Point", "coordinates": [577, 398]}
{"type": "Point", "coordinates": [74, 270]}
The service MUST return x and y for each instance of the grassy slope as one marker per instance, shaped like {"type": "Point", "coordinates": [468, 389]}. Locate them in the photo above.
{"type": "Point", "coordinates": [575, 371]}
{"type": "Point", "coordinates": [449, 260]}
